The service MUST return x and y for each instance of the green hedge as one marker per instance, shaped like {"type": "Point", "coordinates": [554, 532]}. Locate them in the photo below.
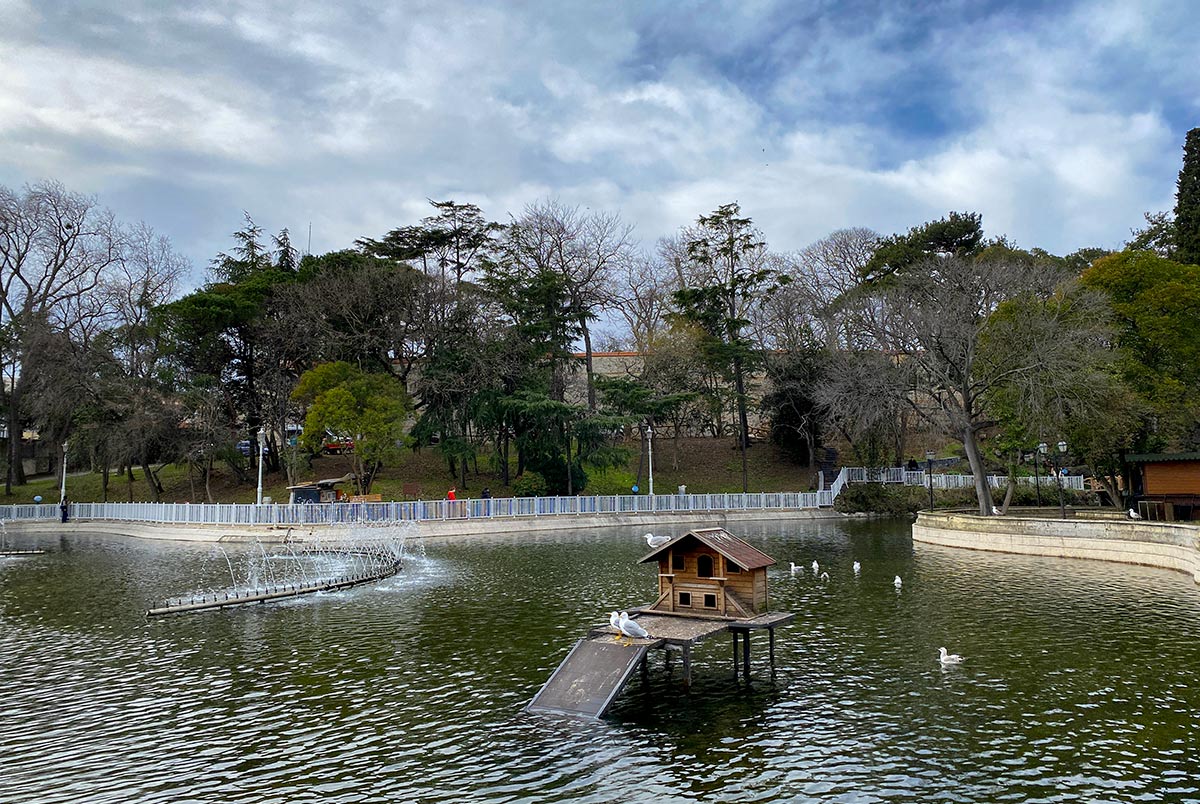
{"type": "Point", "coordinates": [896, 500]}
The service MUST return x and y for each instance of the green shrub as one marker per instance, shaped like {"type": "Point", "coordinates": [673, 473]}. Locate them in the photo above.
{"type": "Point", "coordinates": [529, 484]}
{"type": "Point", "coordinates": [897, 500]}
{"type": "Point", "coordinates": [610, 481]}
{"type": "Point", "coordinates": [881, 499]}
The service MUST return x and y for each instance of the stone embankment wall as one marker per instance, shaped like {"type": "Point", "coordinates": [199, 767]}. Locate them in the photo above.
{"type": "Point", "coordinates": [1157, 544]}
{"type": "Point", "coordinates": [450, 528]}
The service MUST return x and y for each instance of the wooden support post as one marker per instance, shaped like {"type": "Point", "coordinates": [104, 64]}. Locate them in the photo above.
{"type": "Point", "coordinates": [687, 666]}
{"type": "Point", "coordinates": [735, 654]}
{"type": "Point", "coordinates": [771, 633]}
{"type": "Point", "coordinates": [746, 655]}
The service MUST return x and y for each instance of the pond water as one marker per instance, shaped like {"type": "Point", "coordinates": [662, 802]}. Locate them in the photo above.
{"type": "Point", "coordinates": [1079, 682]}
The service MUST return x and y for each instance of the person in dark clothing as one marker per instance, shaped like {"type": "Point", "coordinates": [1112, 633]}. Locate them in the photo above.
{"type": "Point", "coordinates": [486, 493]}
{"type": "Point", "coordinates": [912, 465]}
{"type": "Point", "coordinates": [64, 507]}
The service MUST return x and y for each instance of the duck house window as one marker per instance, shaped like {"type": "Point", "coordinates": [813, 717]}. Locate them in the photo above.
{"type": "Point", "coordinates": [731, 566]}
{"type": "Point", "coordinates": [685, 599]}
{"type": "Point", "coordinates": [710, 601]}
{"type": "Point", "coordinates": [704, 566]}
{"type": "Point", "coordinates": [678, 563]}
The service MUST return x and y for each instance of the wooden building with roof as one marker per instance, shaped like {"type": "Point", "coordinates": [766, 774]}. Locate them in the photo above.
{"type": "Point", "coordinates": [709, 572]}
{"type": "Point", "coordinates": [1167, 485]}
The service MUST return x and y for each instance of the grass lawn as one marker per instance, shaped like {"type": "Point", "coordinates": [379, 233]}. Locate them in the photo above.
{"type": "Point", "coordinates": [704, 465]}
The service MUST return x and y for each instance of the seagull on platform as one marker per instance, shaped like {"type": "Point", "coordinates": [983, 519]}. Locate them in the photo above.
{"type": "Point", "coordinates": [656, 541]}
{"type": "Point", "coordinates": [898, 583]}
{"type": "Point", "coordinates": [824, 576]}
{"type": "Point", "coordinates": [614, 620]}
{"type": "Point", "coordinates": [631, 629]}
{"type": "Point", "coordinates": [816, 569]}
{"type": "Point", "coordinates": [1134, 514]}
{"type": "Point", "coordinates": [948, 659]}
{"type": "Point", "coordinates": [857, 568]}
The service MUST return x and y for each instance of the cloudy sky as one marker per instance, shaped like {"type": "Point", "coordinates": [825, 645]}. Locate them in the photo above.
{"type": "Point", "coordinates": [1061, 122]}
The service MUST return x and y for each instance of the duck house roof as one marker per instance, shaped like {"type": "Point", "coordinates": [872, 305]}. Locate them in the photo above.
{"type": "Point", "coordinates": [721, 540]}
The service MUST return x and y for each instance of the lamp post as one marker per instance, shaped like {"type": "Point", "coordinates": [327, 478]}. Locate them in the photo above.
{"type": "Point", "coordinates": [62, 491]}
{"type": "Point", "coordinates": [262, 447]}
{"type": "Point", "coordinates": [1037, 482]}
{"type": "Point", "coordinates": [650, 458]}
{"type": "Point", "coordinates": [1062, 450]}
{"type": "Point", "coordinates": [929, 469]}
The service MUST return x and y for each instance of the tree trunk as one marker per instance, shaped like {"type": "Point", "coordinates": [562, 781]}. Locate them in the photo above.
{"type": "Point", "coordinates": [208, 465]}
{"type": "Point", "coordinates": [16, 469]}
{"type": "Point", "coordinates": [1008, 494]}
{"type": "Point", "coordinates": [104, 482]}
{"type": "Point", "coordinates": [570, 474]}
{"type": "Point", "coordinates": [743, 419]}
{"type": "Point", "coordinates": [587, 356]}
{"type": "Point", "coordinates": [982, 491]}
{"type": "Point", "coordinates": [129, 476]}
{"type": "Point", "coordinates": [1110, 486]}
{"type": "Point", "coordinates": [152, 481]}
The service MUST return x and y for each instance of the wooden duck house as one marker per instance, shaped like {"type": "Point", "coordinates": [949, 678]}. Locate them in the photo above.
{"type": "Point", "coordinates": [710, 572]}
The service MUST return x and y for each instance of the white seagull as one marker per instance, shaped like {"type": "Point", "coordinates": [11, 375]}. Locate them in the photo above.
{"type": "Point", "coordinates": [824, 576]}
{"type": "Point", "coordinates": [857, 568]}
{"type": "Point", "coordinates": [656, 541]}
{"type": "Point", "coordinates": [816, 568]}
{"type": "Point", "coordinates": [897, 583]}
{"type": "Point", "coordinates": [996, 511]}
{"type": "Point", "coordinates": [614, 620]}
{"type": "Point", "coordinates": [948, 658]}
{"type": "Point", "coordinates": [631, 629]}
{"type": "Point", "coordinates": [795, 567]}
{"type": "Point", "coordinates": [1134, 514]}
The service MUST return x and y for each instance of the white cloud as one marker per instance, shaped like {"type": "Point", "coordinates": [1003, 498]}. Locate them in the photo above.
{"type": "Point", "coordinates": [1049, 123]}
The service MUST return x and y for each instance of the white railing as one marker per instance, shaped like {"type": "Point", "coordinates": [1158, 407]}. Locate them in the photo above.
{"type": "Point", "coordinates": [421, 510]}
{"type": "Point", "coordinates": [859, 474]}
{"type": "Point", "coordinates": [425, 510]}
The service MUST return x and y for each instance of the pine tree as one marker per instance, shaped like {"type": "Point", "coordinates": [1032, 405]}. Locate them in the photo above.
{"type": "Point", "coordinates": [1187, 203]}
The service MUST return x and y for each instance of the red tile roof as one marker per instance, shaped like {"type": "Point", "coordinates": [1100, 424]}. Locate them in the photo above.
{"type": "Point", "coordinates": [724, 543]}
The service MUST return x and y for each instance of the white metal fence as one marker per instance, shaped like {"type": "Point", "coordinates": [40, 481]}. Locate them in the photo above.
{"type": "Point", "coordinates": [424, 510]}
{"type": "Point", "coordinates": [898, 474]}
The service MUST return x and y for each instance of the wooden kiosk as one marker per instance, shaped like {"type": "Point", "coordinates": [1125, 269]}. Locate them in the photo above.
{"type": "Point", "coordinates": [709, 581]}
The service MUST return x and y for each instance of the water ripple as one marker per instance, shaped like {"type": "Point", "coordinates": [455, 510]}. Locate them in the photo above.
{"type": "Point", "coordinates": [1077, 685]}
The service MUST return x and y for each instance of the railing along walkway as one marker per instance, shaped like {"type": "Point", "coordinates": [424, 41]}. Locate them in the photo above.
{"type": "Point", "coordinates": [898, 474]}
{"type": "Point", "coordinates": [426, 510]}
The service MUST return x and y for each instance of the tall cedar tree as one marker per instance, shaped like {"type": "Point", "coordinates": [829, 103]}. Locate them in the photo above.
{"type": "Point", "coordinates": [1187, 203]}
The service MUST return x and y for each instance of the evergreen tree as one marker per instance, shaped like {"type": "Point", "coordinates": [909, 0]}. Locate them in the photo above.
{"type": "Point", "coordinates": [1187, 203]}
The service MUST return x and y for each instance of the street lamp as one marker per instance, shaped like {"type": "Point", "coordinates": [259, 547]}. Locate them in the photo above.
{"type": "Point", "coordinates": [650, 457]}
{"type": "Point", "coordinates": [262, 447]}
{"type": "Point", "coordinates": [1062, 450]}
{"type": "Point", "coordinates": [62, 492]}
{"type": "Point", "coordinates": [929, 468]}
{"type": "Point", "coordinates": [1041, 450]}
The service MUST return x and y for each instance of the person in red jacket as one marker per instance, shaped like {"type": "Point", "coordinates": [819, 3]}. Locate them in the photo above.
{"type": "Point", "coordinates": [452, 494]}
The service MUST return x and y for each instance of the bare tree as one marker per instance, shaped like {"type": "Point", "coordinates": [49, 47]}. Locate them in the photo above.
{"type": "Point", "coordinates": [584, 249]}
{"type": "Point", "coordinates": [56, 247]}
{"type": "Point", "coordinates": [640, 291]}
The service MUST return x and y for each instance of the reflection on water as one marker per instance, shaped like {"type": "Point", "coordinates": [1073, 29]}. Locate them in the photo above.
{"type": "Point", "coordinates": [1078, 683]}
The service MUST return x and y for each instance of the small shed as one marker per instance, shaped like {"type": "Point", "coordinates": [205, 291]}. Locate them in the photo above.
{"type": "Point", "coordinates": [318, 491]}
{"type": "Point", "coordinates": [710, 573]}
{"type": "Point", "coordinates": [1167, 485]}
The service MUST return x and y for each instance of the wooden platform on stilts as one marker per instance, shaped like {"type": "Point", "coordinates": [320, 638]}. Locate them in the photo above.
{"type": "Point", "coordinates": [598, 667]}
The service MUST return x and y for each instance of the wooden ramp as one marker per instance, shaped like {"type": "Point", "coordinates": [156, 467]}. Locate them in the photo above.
{"type": "Point", "coordinates": [591, 676]}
